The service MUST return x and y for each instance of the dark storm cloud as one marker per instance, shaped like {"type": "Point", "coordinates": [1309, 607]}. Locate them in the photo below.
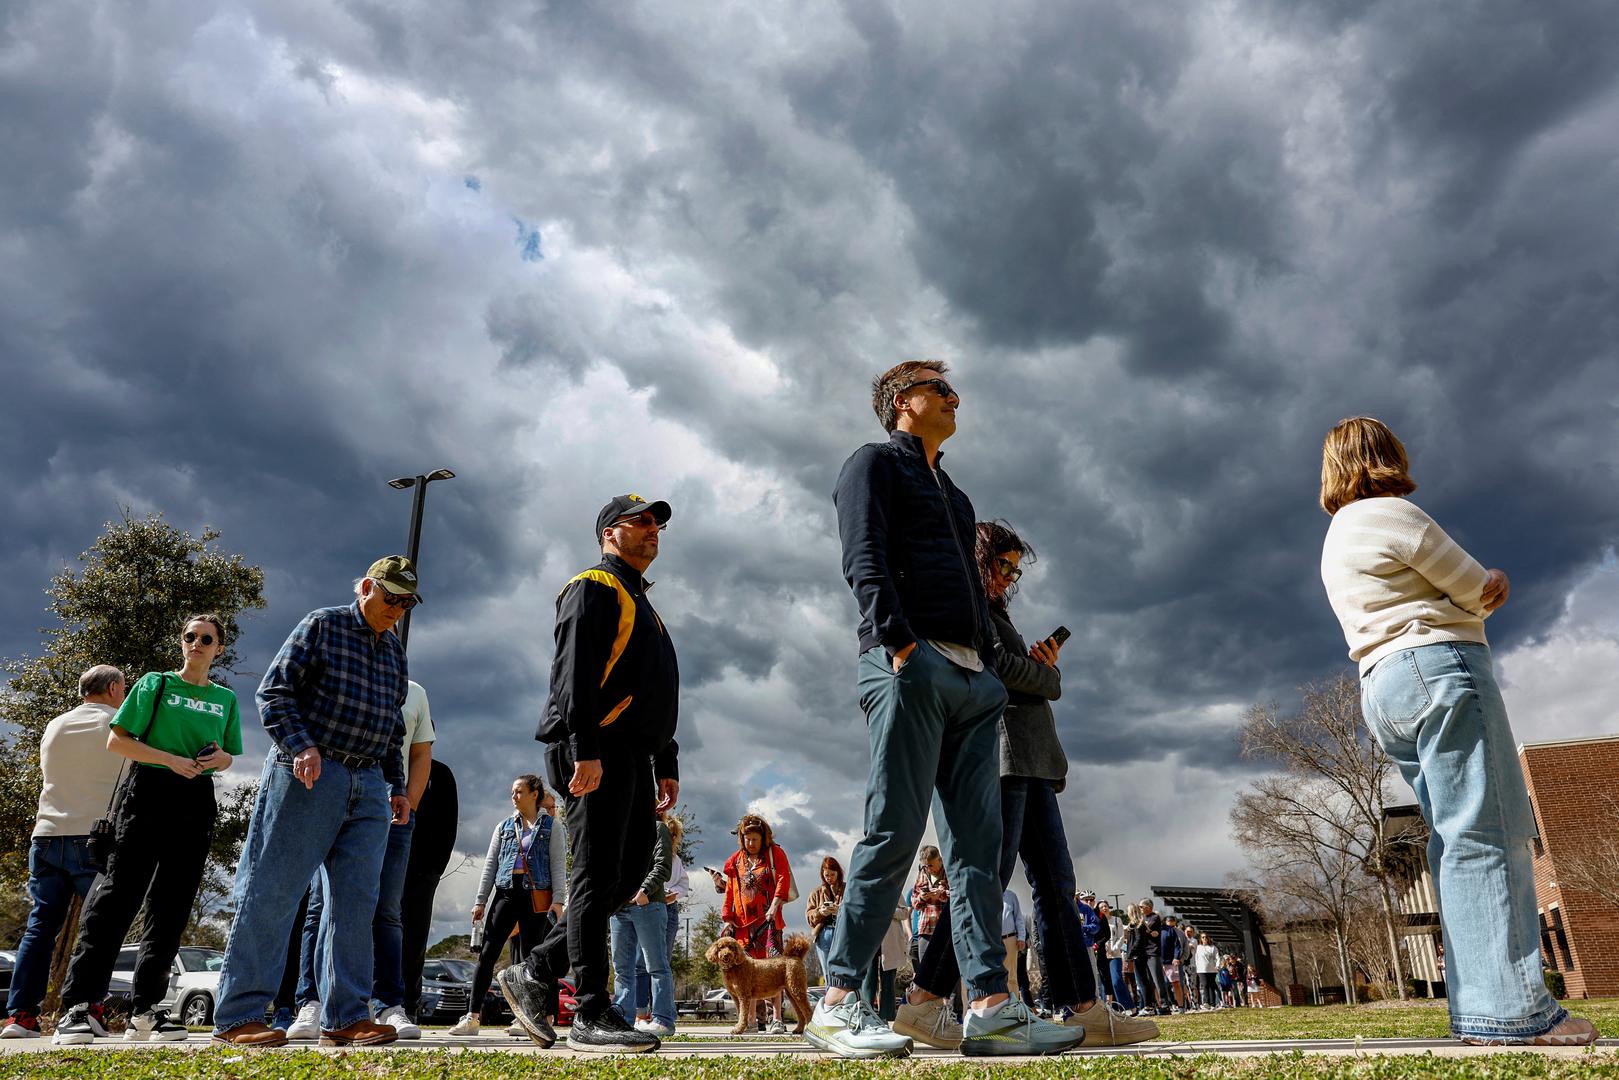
{"type": "Point", "coordinates": [253, 262]}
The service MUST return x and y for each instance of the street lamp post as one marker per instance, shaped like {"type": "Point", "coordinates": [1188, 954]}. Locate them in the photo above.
{"type": "Point", "coordinates": [420, 484]}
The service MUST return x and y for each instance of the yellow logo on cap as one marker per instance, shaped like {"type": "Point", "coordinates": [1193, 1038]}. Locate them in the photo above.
{"type": "Point", "coordinates": [633, 497]}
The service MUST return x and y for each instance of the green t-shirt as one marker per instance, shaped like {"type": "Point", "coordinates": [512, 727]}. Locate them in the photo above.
{"type": "Point", "coordinates": [186, 720]}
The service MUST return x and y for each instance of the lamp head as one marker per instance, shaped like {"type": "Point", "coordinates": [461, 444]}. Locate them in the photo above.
{"type": "Point", "coordinates": [441, 474]}
{"type": "Point", "coordinates": [402, 483]}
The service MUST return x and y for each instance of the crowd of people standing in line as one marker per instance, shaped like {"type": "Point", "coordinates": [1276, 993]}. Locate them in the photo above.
{"type": "Point", "coordinates": [959, 720]}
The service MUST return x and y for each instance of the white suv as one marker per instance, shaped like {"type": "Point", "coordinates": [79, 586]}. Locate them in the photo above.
{"type": "Point", "coordinates": [193, 982]}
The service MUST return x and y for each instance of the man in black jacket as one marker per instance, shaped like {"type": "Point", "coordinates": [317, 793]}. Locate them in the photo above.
{"type": "Point", "coordinates": [609, 726]}
{"type": "Point", "coordinates": [931, 700]}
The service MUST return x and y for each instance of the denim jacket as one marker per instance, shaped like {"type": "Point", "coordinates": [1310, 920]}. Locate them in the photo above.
{"type": "Point", "coordinates": [545, 860]}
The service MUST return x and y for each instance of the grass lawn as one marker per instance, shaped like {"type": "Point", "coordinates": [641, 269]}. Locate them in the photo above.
{"type": "Point", "coordinates": [1420, 1020]}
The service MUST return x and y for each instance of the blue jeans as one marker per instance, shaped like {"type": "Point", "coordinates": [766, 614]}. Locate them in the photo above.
{"type": "Point", "coordinates": [933, 737]}
{"type": "Point", "coordinates": [1033, 828]}
{"type": "Point", "coordinates": [339, 828]}
{"type": "Point", "coordinates": [1436, 710]}
{"type": "Point", "coordinates": [643, 931]}
{"type": "Point", "coordinates": [387, 931]}
{"type": "Point", "coordinates": [1121, 985]}
{"type": "Point", "coordinates": [309, 948]}
{"type": "Point", "coordinates": [58, 868]}
{"type": "Point", "coordinates": [643, 980]}
{"type": "Point", "coordinates": [823, 948]}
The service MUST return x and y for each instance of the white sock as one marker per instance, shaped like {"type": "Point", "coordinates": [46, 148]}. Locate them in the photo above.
{"type": "Point", "coordinates": [984, 1012]}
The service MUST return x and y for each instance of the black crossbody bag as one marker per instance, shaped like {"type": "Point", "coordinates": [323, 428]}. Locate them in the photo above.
{"type": "Point", "coordinates": [103, 832]}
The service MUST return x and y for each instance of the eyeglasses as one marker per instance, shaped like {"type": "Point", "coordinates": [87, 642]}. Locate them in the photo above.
{"type": "Point", "coordinates": [945, 389]}
{"type": "Point", "coordinates": [406, 601]}
{"type": "Point", "coordinates": [1005, 568]}
{"type": "Point", "coordinates": [192, 635]}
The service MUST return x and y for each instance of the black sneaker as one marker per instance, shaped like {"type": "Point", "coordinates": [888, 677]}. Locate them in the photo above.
{"type": "Point", "coordinates": [154, 1025]}
{"type": "Point", "coordinates": [74, 1028]}
{"type": "Point", "coordinates": [527, 997]}
{"type": "Point", "coordinates": [609, 1033]}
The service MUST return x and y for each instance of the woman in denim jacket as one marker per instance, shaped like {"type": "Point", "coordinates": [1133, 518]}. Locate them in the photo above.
{"type": "Point", "coordinates": [1412, 605]}
{"type": "Point", "coordinates": [527, 869]}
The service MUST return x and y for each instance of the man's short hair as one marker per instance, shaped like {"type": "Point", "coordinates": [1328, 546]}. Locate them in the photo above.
{"type": "Point", "coordinates": [891, 382]}
{"type": "Point", "coordinates": [927, 854]}
{"type": "Point", "coordinates": [99, 680]}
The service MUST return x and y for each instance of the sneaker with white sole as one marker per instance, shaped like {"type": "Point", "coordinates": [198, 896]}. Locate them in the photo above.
{"type": "Point", "coordinates": [776, 1028]}
{"type": "Point", "coordinates": [1105, 1026]}
{"type": "Point", "coordinates": [307, 1025]}
{"type": "Point", "coordinates": [1014, 1031]}
{"type": "Point", "coordinates": [154, 1025]}
{"type": "Point", "coordinates": [468, 1025]}
{"type": "Point", "coordinates": [515, 1030]}
{"type": "Point", "coordinates": [74, 1028]}
{"type": "Point", "coordinates": [396, 1017]}
{"type": "Point", "coordinates": [850, 1029]}
{"type": "Point", "coordinates": [23, 1025]}
{"type": "Point", "coordinates": [932, 1023]}
{"type": "Point", "coordinates": [652, 1027]}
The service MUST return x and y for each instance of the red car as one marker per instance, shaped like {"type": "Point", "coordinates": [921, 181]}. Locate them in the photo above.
{"type": "Point", "coordinates": [565, 1003]}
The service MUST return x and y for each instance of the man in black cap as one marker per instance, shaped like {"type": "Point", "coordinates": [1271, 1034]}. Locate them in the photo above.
{"type": "Point", "coordinates": [609, 726]}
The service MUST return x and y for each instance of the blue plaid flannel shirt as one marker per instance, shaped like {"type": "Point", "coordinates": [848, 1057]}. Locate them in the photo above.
{"type": "Point", "coordinates": [338, 685]}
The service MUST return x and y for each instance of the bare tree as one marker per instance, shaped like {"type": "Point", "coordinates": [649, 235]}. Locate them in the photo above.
{"type": "Point", "coordinates": [1331, 772]}
{"type": "Point", "coordinates": [1287, 829]}
{"type": "Point", "coordinates": [1592, 865]}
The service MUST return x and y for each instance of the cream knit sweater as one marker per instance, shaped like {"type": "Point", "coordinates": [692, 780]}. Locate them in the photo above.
{"type": "Point", "coordinates": [1396, 581]}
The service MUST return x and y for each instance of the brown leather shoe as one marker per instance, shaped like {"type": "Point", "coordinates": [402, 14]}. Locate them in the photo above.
{"type": "Point", "coordinates": [359, 1033]}
{"type": "Point", "coordinates": [252, 1034]}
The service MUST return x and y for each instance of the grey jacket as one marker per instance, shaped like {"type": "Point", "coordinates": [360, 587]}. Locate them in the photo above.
{"type": "Point", "coordinates": [1029, 743]}
{"type": "Point", "coordinates": [663, 863]}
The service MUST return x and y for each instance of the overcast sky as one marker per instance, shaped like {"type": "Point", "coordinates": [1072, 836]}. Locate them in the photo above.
{"type": "Point", "coordinates": [255, 259]}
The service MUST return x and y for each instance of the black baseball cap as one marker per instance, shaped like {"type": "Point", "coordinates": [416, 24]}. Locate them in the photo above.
{"type": "Point", "coordinates": [624, 506]}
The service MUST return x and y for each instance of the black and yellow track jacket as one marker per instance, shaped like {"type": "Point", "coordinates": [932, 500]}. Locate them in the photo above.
{"type": "Point", "coordinates": [615, 685]}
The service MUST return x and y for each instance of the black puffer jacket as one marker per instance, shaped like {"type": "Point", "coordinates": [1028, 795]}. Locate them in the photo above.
{"type": "Point", "coordinates": [908, 539]}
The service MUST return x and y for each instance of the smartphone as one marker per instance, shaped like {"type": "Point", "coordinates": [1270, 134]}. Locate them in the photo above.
{"type": "Point", "coordinates": [1059, 635]}
{"type": "Point", "coordinates": [205, 751]}
{"type": "Point", "coordinates": [711, 870]}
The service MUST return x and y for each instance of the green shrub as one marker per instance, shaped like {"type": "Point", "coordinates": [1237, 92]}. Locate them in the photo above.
{"type": "Point", "coordinates": [1554, 983]}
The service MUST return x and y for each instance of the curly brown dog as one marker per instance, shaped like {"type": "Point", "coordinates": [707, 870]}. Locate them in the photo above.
{"type": "Point", "coordinates": [749, 980]}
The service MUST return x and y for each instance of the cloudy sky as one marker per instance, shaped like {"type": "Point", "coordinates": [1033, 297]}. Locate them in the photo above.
{"type": "Point", "coordinates": [255, 259]}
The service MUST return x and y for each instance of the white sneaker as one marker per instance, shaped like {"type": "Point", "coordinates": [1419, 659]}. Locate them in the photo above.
{"type": "Point", "coordinates": [396, 1017]}
{"type": "Point", "coordinates": [662, 1031]}
{"type": "Point", "coordinates": [776, 1027]}
{"type": "Point", "coordinates": [467, 1025]}
{"type": "Point", "coordinates": [515, 1030]}
{"type": "Point", "coordinates": [851, 1029]}
{"type": "Point", "coordinates": [307, 1026]}
{"type": "Point", "coordinates": [931, 1022]}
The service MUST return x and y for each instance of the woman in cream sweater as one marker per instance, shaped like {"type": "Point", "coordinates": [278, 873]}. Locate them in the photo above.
{"type": "Point", "coordinates": [1412, 604]}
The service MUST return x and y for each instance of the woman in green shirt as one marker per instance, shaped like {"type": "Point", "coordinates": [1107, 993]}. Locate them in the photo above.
{"type": "Point", "coordinates": [177, 728]}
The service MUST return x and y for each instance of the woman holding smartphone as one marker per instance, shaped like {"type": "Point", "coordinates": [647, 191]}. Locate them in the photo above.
{"type": "Point", "coordinates": [177, 728]}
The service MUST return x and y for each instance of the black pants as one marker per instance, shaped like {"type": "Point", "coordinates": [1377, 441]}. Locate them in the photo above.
{"type": "Point", "coordinates": [164, 824]}
{"type": "Point", "coordinates": [286, 995]}
{"type": "Point", "coordinates": [431, 846]}
{"type": "Point", "coordinates": [507, 908]}
{"type": "Point", "coordinates": [1160, 984]}
{"type": "Point", "coordinates": [1209, 984]}
{"type": "Point", "coordinates": [610, 858]}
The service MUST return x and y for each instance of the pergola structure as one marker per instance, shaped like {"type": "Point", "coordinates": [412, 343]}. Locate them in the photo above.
{"type": "Point", "coordinates": [1227, 917]}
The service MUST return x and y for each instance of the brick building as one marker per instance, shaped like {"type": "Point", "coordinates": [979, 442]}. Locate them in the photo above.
{"type": "Point", "coordinates": [1571, 786]}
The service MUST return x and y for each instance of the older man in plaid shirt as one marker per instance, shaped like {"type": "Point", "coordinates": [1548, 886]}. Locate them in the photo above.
{"type": "Point", "coordinates": [331, 785]}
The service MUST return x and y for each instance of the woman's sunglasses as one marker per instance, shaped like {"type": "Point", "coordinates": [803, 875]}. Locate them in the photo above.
{"type": "Point", "coordinates": [191, 635]}
{"type": "Point", "coordinates": [1005, 568]}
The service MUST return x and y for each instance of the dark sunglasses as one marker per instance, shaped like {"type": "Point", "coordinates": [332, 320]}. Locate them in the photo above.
{"type": "Point", "coordinates": [192, 635]}
{"type": "Point", "coordinates": [639, 521]}
{"type": "Point", "coordinates": [407, 602]}
{"type": "Point", "coordinates": [1004, 568]}
{"type": "Point", "coordinates": [945, 389]}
